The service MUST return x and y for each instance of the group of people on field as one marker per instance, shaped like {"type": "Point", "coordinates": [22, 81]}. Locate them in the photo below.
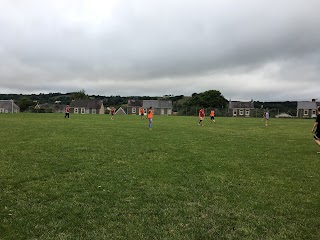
{"type": "Point", "coordinates": [202, 116]}
{"type": "Point", "coordinates": [315, 129]}
{"type": "Point", "coordinates": [149, 116]}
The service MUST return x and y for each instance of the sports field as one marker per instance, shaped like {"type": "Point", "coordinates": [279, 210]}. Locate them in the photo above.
{"type": "Point", "coordinates": [89, 177]}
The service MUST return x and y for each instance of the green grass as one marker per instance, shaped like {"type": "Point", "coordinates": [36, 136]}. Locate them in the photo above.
{"type": "Point", "coordinates": [88, 177]}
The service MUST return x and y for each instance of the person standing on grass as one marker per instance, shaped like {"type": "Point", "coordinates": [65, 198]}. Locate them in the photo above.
{"type": "Point", "coordinates": [267, 117]}
{"type": "Point", "coordinates": [67, 112]}
{"type": "Point", "coordinates": [113, 110]}
{"type": "Point", "coordinates": [263, 116]}
{"type": "Point", "coordinates": [142, 113]}
{"type": "Point", "coordinates": [150, 116]}
{"type": "Point", "coordinates": [201, 117]}
{"type": "Point", "coordinates": [212, 116]}
{"type": "Point", "coordinates": [316, 129]}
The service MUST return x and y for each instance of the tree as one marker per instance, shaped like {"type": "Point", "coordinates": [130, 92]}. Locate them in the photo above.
{"type": "Point", "coordinates": [80, 95]}
{"type": "Point", "coordinates": [208, 99]}
{"type": "Point", "coordinates": [25, 103]}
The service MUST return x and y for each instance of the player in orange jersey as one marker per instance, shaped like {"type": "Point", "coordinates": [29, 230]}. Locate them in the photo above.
{"type": "Point", "coordinates": [142, 113]}
{"type": "Point", "coordinates": [150, 116]}
{"type": "Point", "coordinates": [212, 116]}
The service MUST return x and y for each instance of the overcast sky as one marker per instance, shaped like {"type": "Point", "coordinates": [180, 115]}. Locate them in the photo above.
{"type": "Point", "coordinates": [267, 50]}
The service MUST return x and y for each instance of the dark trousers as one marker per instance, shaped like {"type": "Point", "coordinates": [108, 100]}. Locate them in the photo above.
{"type": "Point", "coordinates": [67, 114]}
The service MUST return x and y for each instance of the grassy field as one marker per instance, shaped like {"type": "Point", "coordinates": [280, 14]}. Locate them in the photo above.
{"type": "Point", "coordinates": [88, 177]}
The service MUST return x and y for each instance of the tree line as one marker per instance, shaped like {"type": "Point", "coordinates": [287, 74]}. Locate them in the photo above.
{"type": "Point", "coordinates": [185, 105]}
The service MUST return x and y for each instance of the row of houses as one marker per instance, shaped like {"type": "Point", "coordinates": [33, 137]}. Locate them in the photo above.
{"type": "Point", "coordinates": [305, 109]}
{"type": "Point", "coordinates": [160, 107]}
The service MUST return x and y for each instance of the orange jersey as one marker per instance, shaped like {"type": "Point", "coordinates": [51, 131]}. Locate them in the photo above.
{"type": "Point", "coordinates": [150, 114]}
{"type": "Point", "coordinates": [212, 113]}
{"type": "Point", "coordinates": [141, 110]}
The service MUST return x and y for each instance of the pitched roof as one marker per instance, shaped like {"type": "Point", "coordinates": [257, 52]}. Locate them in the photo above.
{"type": "Point", "coordinates": [120, 111]}
{"type": "Point", "coordinates": [307, 105]}
{"type": "Point", "coordinates": [157, 103]}
{"type": "Point", "coordinates": [93, 104]}
{"type": "Point", "coordinates": [238, 104]}
{"type": "Point", "coordinates": [7, 104]}
{"type": "Point", "coordinates": [134, 103]}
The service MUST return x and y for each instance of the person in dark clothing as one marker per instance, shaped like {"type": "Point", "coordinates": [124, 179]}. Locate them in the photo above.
{"type": "Point", "coordinates": [67, 112]}
{"type": "Point", "coordinates": [316, 129]}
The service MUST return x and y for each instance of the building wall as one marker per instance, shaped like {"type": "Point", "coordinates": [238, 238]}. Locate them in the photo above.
{"type": "Point", "coordinates": [162, 111]}
{"type": "Point", "coordinates": [86, 111]}
{"type": "Point", "coordinates": [101, 110]}
{"type": "Point", "coordinates": [240, 112]}
{"type": "Point", "coordinates": [130, 111]}
{"type": "Point", "coordinates": [306, 113]}
{"type": "Point", "coordinates": [156, 111]}
{"type": "Point", "coordinates": [9, 110]}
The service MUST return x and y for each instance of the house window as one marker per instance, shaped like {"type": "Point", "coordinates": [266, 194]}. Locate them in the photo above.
{"type": "Point", "coordinates": [241, 112]}
{"type": "Point", "coordinates": [83, 110]}
{"type": "Point", "coordinates": [313, 112]}
{"type": "Point", "coordinates": [305, 112]}
{"type": "Point", "coordinates": [1, 110]}
{"type": "Point", "coordinates": [76, 110]}
{"type": "Point", "coordinates": [94, 111]}
{"type": "Point", "coordinates": [247, 112]}
{"type": "Point", "coordinates": [134, 110]}
{"type": "Point", "coordinates": [234, 112]}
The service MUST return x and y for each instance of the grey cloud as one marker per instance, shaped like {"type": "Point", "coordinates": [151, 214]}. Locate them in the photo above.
{"type": "Point", "coordinates": [156, 47]}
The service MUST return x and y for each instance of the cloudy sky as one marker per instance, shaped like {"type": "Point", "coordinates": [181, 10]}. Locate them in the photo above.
{"type": "Point", "coordinates": [266, 50]}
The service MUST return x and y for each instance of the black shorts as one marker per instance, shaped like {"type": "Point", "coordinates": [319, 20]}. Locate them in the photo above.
{"type": "Point", "coordinates": [316, 135]}
{"type": "Point", "coordinates": [212, 117]}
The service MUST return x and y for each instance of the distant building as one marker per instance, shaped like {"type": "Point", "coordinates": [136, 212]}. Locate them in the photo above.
{"type": "Point", "coordinates": [134, 106]}
{"type": "Point", "coordinates": [160, 107]}
{"type": "Point", "coordinates": [307, 109]}
{"type": "Point", "coordinates": [87, 107]}
{"type": "Point", "coordinates": [241, 109]}
{"type": "Point", "coordinates": [8, 106]}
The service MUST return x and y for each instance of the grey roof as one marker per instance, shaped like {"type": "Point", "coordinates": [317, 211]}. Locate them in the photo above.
{"type": "Point", "coordinates": [93, 104]}
{"type": "Point", "coordinates": [135, 103]}
{"type": "Point", "coordinates": [307, 105]}
{"type": "Point", "coordinates": [7, 104]}
{"type": "Point", "coordinates": [238, 104]}
{"type": "Point", "coordinates": [157, 103]}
